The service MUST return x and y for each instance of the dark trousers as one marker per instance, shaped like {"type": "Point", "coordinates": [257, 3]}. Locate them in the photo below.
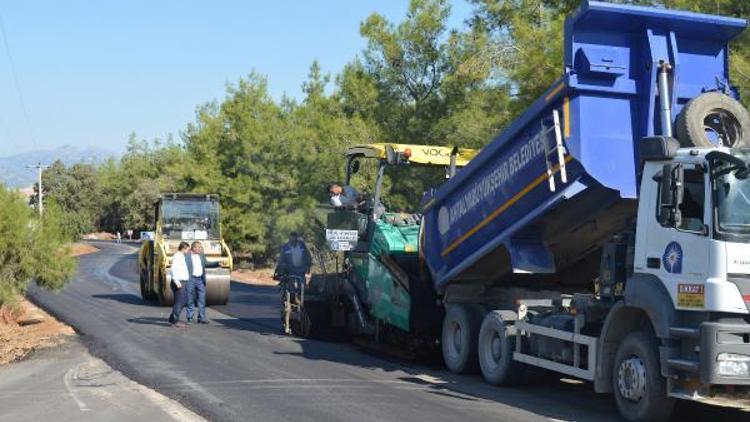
{"type": "Point", "coordinates": [196, 291]}
{"type": "Point", "coordinates": [180, 300]}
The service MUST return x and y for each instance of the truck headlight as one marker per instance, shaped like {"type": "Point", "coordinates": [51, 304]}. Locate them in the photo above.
{"type": "Point", "coordinates": [733, 365]}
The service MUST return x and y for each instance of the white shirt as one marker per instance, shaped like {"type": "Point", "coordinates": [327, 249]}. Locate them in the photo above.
{"type": "Point", "coordinates": [347, 198]}
{"type": "Point", "coordinates": [197, 265]}
{"type": "Point", "coordinates": [179, 268]}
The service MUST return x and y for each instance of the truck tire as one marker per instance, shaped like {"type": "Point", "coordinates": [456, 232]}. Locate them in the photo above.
{"type": "Point", "coordinates": [496, 346]}
{"type": "Point", "coordinates": [640, 390]}
{"type": "Point", "coordinates": [713, 119]}
{"type": "Point", "coordinates": [459, 339]}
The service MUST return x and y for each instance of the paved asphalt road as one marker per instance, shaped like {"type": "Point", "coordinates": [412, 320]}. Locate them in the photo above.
{"type": "Point", "coordinates": [242, 368]}
{"type": "Point", "coordinates": [66, 383]}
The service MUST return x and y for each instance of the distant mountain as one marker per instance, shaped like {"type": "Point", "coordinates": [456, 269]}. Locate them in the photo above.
{"type": "Point", "coordinates": [13, 171]}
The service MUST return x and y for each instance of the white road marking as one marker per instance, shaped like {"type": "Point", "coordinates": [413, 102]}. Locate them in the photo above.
{"type": "Point", "coordinates": [71, 375]}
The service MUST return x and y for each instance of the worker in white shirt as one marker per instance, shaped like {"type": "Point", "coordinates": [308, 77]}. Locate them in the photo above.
{"type": "Point", "coordinates": [196, 286]}
{"type": "Point", "coordinates": [180, 277]}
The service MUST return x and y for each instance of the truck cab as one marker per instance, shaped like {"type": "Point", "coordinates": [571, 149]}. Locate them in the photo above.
{"type": "Point", "coordinates": [691, 250]}
{"type": "Point", "coordinates": [694, 228]}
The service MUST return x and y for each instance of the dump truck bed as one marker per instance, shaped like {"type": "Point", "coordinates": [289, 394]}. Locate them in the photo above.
{"type": "Point", "coordinates": [562, 178]}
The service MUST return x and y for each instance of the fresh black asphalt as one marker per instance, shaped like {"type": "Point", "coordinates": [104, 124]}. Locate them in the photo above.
{"type": "Point", "coordinates": [242, 368]}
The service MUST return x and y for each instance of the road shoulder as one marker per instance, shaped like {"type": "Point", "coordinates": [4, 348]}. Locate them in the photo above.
{"type": "Point", "coordinates": [67, 383]}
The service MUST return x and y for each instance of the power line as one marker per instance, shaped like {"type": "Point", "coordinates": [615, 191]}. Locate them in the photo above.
{"type": "Point", "coordinates": [7, 132]}
{"type": "Point", "coordinates": [17, 83]}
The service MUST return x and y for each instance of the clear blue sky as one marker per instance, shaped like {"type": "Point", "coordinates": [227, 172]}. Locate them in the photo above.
{"type": "Point", "coordinates": [92, 72]}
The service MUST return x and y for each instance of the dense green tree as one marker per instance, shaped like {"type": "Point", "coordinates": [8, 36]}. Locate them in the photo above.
{"type": "Point", "coordinates": [31, 248]}
{"type": "Point", "coordinates": [128, 190]}
{"type": "Point", "coordinates": [236, 150]}
{"type": "Point", "coordinates": [74, 189]}
{"type": "Point", "coordinates": [415, 82]}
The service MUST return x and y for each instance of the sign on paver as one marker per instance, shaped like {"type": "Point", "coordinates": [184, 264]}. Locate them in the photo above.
{"type": "Point", "coordinates": [342, 240]}
{"type": "Point", "coordinates": [339, 235]}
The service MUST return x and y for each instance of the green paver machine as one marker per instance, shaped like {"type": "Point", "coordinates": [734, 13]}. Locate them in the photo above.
{"type": "Point", "coordinates": [381, 286]}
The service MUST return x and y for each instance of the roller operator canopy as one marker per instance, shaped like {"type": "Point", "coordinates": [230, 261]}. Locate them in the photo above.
{"type": "Point", "coordinates": [416, 154]}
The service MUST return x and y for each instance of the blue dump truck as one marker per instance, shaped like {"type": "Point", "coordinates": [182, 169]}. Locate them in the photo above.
{"type": "Point", "coordinates": [605, 234]}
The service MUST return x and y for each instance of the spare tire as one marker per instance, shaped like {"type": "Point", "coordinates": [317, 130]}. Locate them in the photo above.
{"type": "Point", "coordinates": [713, 119]}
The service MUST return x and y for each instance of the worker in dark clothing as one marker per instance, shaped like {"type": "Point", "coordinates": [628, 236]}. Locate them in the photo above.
{"type": "Point", "coordinates": [294, 259]}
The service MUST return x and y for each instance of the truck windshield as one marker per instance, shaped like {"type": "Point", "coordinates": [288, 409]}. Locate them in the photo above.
{"type": "Point", "coordinates": [732, 197]}
{"type": "Point", "coordinates": [190, 219]}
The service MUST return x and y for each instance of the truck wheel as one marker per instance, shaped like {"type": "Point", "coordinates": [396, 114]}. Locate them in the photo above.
{"type": "Point", "coordinates": [496, 346]}
{"type": "Point", "coordinates": [640, 390]}
{"type": "Point", "coordinates": [459, 339]}
{"type": "Point", "coordinates": [713, 119]}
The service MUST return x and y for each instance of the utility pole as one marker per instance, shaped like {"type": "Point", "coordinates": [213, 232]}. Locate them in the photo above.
{"type": "Point", "coordinates": [40, 168]}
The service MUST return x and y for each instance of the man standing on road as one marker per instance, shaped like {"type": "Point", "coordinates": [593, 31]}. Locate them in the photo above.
{"type": "Point", "coordinates": [180, 277]}
{"type": "Point", "coordinates": [196, 264]}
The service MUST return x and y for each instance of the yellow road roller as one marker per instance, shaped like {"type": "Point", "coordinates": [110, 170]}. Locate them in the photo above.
{"type": "Point", "coordinates": [185, 217]}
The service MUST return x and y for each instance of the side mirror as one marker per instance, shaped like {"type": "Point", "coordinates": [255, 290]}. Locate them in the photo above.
{"type": "Point", "coordinates": [672, 189]}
